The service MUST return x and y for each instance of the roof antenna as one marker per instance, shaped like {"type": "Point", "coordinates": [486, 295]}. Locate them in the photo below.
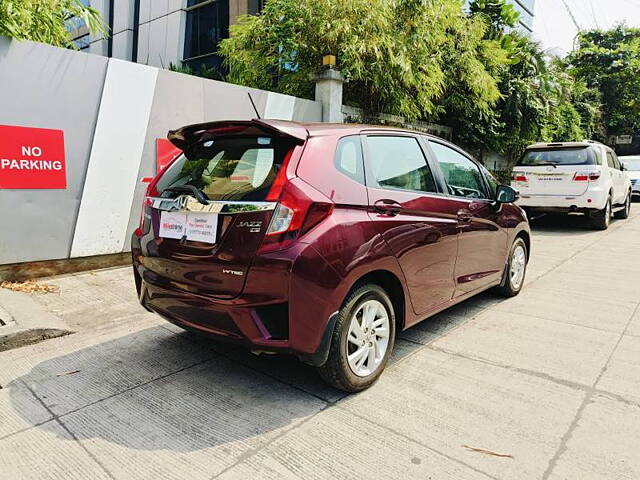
{"type": "Point", "coordinates": [253, 105]}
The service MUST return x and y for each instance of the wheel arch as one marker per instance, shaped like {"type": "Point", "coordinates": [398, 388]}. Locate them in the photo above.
{"type": "Point", "coordinates": [526, 237]}
{"type": "Point", "coordinates": [391, 284]}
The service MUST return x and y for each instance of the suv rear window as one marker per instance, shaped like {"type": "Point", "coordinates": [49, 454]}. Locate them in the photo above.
{"type": "Point", "coordinates": [232, 168]}
{"type": "Point", "coordinates": [558, 156]}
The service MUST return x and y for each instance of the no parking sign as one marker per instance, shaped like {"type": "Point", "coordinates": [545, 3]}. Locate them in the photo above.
{"type": "Point", "coordinates": [32, 158]}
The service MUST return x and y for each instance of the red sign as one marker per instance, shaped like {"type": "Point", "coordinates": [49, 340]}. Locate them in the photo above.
{"type": "Point", "coordinates": [32, 158]}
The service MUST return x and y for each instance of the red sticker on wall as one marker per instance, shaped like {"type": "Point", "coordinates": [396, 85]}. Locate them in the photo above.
{"type": "Point", "coordinates": [32, 158]}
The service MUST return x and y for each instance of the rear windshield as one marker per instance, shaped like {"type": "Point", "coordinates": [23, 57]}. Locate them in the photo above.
{"type": "Point", "coordinates": [231, 168]}
{"type": "Point", "coordinates": [558, 156]}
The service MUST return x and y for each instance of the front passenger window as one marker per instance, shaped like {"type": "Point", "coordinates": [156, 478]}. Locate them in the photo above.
{"type": "Point", "coordinates": [398, 162]}
{"type": "Point", "coordinates": [462, 175]}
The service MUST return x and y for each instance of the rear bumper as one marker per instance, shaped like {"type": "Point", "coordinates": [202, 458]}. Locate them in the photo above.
{"type": "Point", "coordinates": [592, 199]}
{"type": "Point", "coordinates": [262, 317]}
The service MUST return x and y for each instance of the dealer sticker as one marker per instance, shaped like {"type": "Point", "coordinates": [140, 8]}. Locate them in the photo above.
{"type": "Point", "coordinates": [201, 227]}
{"type": "Point", "coordinates": [198, 227]}
{"type": "Point", "coordinates": [172, 224]}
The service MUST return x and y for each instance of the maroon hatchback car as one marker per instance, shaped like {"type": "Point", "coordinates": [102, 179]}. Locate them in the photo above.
{"type": "Point", "coordinates": [322, 240]}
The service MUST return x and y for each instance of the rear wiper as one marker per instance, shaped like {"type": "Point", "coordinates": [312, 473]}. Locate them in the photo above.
{"type": "Point", "coordinates": [554, 165]}
{"type": "Point", "coordinates": [197, 193]}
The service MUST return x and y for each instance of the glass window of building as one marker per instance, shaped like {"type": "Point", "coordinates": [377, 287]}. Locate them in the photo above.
{"type": "Point", "coordinates": [207, 23]}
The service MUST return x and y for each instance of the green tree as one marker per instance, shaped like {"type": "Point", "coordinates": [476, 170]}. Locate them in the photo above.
{"type": "Point", "coordinates": [44, 20]}
{"type": "Point", "coordinates": [399, 56]}
{"type": "Point", "coordinates": [609, 61]}
{"type": "Point", "coordinates": [539, 100]}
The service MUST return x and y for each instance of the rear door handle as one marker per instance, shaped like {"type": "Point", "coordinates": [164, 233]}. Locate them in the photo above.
{"type": "Point", "coordinates": [388, 207]}
{"type": "Point", "coordinates": [464, 216]}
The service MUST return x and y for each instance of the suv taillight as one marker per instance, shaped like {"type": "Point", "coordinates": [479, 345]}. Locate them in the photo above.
{"type": "Point", "coordinates": [300, 208]}
{"type": "Point", "coordinates": [586, 176]}
{"type": "Point", "coordinates": [520, 177]}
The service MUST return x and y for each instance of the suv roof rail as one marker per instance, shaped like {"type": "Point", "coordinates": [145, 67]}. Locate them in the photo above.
{"type": "Point", "coordinates": [592, 141]}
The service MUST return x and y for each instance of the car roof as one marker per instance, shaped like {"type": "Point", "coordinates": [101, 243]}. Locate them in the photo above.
{"type": "Point", "coordinates": [317, 129]}
{"type": "Point", "coordinates": [551, 145]}
{"type": "Point", "coordinates": [298, 131]}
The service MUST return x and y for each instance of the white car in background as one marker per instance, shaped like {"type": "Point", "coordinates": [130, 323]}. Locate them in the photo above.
{"type": "Point", "coordinates": [573, 177]}
{"type": "Point", "coordinates": [632, 166]}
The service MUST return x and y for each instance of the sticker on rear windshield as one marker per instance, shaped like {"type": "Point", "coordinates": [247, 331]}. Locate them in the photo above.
{"type": "Point", "coordinates": [264, 140]}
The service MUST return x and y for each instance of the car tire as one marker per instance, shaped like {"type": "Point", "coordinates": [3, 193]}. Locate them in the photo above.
{"type": "Point", "coordinates": [341, 370]}
{"type": "Point", "coordinates": [600, 220]}
{"type": "Point", "coordinates": [624, 213]}
{"type": "Point", "coordinates": [515, 270]}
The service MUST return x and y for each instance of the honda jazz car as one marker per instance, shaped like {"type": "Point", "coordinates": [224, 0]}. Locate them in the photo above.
{"type": "Point", "coordinates": [322, 240]}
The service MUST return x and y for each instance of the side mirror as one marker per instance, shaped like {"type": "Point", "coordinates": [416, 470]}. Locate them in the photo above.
{"type": "Point", "coordinates": [622, 167]}
{"type": "Point", "coordinates": [506, 194]}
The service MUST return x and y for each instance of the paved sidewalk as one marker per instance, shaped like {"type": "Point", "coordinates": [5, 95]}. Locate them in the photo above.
{"type": "Point", "coordinates": [549, 380]}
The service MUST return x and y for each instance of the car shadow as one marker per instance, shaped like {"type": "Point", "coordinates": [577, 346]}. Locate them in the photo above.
{"type": "Point", "coordinates": [567, 225]}
{"type": "Point", "coordinates": [164, 389]}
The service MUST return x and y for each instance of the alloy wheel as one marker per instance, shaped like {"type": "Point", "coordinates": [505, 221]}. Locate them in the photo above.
{"type": "Point", "coordinates": [367, 338]}
{"type": "Point", "coordinates": [518, 266]}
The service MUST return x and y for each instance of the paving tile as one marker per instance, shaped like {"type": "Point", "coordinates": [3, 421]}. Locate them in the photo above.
{"type": "Point", "coordinates": [634, 325]}
{"type": "Point", "coordinates": [68, 381]}
{"type": "Point", "coordinates": [604, 444]}
{"type": "Point", "coordinates": [577, 308]}
{"type": "Point", "coordinates": [46, 454]}
{"type": "Point", "coordinates": [566, 352]}
{"type": "Point", "coordinates": [193, 424]}
{"type": "Point", "coordinates": [19, 410]}
{"type": "Point", "coordinates": [446, 402]}
{"type": "Point", "coordinates": [337, 444]}
{"type": "Point", "coordinates": [622, 375]}
{"type": "Point", "coordinates": [613, 287]}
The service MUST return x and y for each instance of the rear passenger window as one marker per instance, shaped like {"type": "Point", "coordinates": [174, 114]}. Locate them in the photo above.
{"type": "Point", "coordinates": [462, 175]}
{"type": "Point", "coordinates": [349, 158]}
{"type": "Point", "coordinates": [398, 162]}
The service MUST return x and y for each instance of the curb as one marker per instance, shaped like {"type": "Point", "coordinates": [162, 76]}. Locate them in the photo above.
{"type": "Point", "coordinates": [24, 322]}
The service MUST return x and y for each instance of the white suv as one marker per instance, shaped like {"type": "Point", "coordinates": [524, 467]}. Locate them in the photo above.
{"type": "Point", "coordinates": [573, 177]}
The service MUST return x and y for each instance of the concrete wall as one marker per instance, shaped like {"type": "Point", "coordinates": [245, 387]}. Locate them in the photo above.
{"type": "Point", "coordinates": [111, 112]}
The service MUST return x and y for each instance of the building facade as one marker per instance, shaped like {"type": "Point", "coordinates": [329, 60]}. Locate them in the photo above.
{"type": "Point", "coordinates": [184, 33]}
{"type": "Point", "coordinates": [163, 32]}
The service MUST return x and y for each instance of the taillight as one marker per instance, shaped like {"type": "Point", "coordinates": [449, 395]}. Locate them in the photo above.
{"type": "Point", "coordinates": [300, 208]}
{"type": "Point", "coordinates": [520, 177]}
{"type": "Point", "coordinates": [281, 220]}
{"type": "Point", "coordinates": [586, 176]}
